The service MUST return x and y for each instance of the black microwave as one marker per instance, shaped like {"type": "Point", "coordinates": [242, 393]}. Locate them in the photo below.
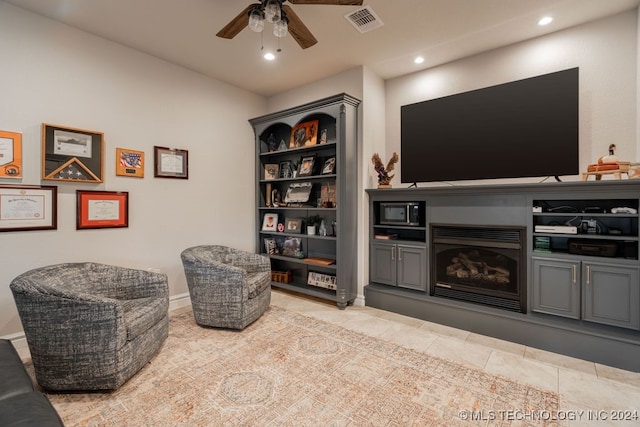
{"type": "Point", "coordinates": [400, 213]}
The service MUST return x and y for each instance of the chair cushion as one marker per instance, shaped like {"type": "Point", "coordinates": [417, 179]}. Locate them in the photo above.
{"type": "Point", "coordinates": [28, 409]}
{"type": "Point", "coordinates": [14, 378]}
{"type": "Point", "coordinates": [140, 314]}
{"type": "Point", "coordinates": [258, 282]}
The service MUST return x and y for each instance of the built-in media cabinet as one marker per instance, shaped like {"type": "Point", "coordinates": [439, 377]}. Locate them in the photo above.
{"type": "Point", "coordinates": [548, 265]}
{"type": "Point", "coordinates": [306, 170]}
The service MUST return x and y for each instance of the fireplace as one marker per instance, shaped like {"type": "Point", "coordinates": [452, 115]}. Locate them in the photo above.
{"type": "Point", "coordinates": [479, 264]}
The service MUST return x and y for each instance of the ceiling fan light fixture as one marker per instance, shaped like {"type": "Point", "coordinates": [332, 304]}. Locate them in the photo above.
{"type": "Point", "coordinates": [272, 11]}
{"type": "Point", "coordinates": [256, 20]}
{"type": "Point", "coordinates": [280, 28]}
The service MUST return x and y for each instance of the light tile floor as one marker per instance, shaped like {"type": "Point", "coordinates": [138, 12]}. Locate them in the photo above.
{"type": "Point", "coordinates": [592, 394]}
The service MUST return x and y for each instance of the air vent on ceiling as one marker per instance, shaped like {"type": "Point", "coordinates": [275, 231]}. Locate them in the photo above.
{"type": "Point", "coordinates": [364, 19]}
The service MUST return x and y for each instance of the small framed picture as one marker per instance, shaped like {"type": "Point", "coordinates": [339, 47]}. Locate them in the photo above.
{"type": "Point", "coordinates": [10, 154]}
{"type": "Point", "coordinates": [270, 222]}
{"type": "Point", "coordinates": [329, 166]}
{"type": "Point", "coordinates": [306, 165]}
{"type": "Point", "coordinates": [129, 163]}
{"type": "Point", "coordinates": [286, 170]}
{"type": "Point", "coordinates": [304, 134]}
{"type": "Point", "coordinates": [270, 246]}
{"type": "Point", "coordinates": [292, 246]}
{"type": "Point", "coordinates": [171, 163]}
{"type": "Point", "coordinates": [271, 171]}
{"type": "Point", "coordinates": [293, 225]}
{"type": "Point", "coordinates": [102, 209]}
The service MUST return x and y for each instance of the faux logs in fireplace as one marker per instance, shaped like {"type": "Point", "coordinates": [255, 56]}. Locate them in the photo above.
{"type": "Point", "coordinates": [479, 264]}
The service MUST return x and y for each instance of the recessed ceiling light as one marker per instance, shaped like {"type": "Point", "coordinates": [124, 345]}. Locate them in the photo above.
{"type": "Point", "coordinates": [545, 21]}
{"type": "Point", "coordinates": [269, 56]}
{"type": "Point", "coordinates": [418, 60]}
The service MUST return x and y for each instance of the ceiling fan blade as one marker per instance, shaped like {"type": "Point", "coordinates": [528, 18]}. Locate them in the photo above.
{"type": "Point", "coordinates": [334, 2]}
{"type": "Point", "coordinates": [237, 24]}
{"type": "Point", "coordinates": [298, 30]}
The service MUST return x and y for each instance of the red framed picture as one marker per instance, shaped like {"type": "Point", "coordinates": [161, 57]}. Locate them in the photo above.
{"type": "Point", "coordinates": [102, 209]}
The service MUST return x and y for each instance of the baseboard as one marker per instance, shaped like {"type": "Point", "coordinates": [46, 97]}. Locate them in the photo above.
{"type": "Point", "coordinates": [19, 341]}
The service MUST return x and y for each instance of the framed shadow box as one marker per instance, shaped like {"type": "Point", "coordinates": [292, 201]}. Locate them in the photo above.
{"type": "Point", "coordinates": [70, 154]}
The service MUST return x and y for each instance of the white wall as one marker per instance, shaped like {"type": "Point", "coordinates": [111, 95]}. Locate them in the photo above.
{"type": "Point", "coordinates": [606, 52]}
{"type": "Point", "coordinates": [52, 73]}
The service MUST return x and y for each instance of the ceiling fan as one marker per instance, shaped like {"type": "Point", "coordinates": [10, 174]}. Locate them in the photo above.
{"type": "Point", "coordinates": [281, 16]}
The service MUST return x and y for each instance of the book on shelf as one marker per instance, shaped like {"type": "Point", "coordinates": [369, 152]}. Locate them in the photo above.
{"type": "Point", "coordinates": [385, 236]}
{"type": "Point", "coordinates": [320, 261]}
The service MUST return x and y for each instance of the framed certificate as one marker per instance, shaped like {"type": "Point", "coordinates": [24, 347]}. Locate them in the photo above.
{"type": "Point", "coordinates": [171, 163]}
{"type": "Point", "coordinates": [28, 208]}
{"type": "Point", "coordinates": [10, 154]}
{"type": "Point", "coordinates": [70, 154]}
{"type": "Point", "coordinates": [102, 209]}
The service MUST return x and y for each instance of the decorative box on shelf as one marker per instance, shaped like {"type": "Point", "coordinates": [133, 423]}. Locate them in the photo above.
{"type": "Point", "coordinates": [281, 276]}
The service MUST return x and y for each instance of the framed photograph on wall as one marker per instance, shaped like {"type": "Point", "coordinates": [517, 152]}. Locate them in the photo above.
{"type": "Point", "coordinates": [25, 208]}
{"type": "Point", "coordinates": [170, 163]}
{"type": "Point", "coordinates": [304, 134]}
{"type": "Point", "coordinates": [70, 154]}
{"type": "Point", "coordinates": [10, 154]}
{"type": "Point", "coordinates": [129, 163]}
{"type": "Point", "coordinates": [102, 209]}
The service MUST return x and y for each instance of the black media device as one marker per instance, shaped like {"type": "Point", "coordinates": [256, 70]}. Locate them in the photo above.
{"type": "Point", "coordinates": [525, 128]}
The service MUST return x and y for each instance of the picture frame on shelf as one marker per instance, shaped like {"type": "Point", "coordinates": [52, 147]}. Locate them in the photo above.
{"type": "Point", "coordinates": [102, 209]}
{"type": "Point", "coordinates": [271, 171]}
{"type": "Point", "coordinates": [293, 225]}
{"type": "Point", "coordinates": [306, 165]}
{"type": "Point", "coordinates": [329, 166]}
{"type": "Point", "coordinates": [292, 246]}
{"type": "Point", "coordinates": [286, 170]}
{"type": "Point", "coordinates": [71, 154]}
{"type": "Point", "coordinates": [304, 134]}
{"type": "Point", "coordinates": [270, 222]}
{"type": "Point", "coordinates": [10, 154]}
{"type": "Point", "coordinates": [271, 246]}
{"type": "Point", "coordinates": [24, 208]}
{"type": "Point", "coordinates": [129, 163]}
{"type": "Point", "coordinates": [170, 163]}
{"type": "Point", "coordinates": [298, 192]}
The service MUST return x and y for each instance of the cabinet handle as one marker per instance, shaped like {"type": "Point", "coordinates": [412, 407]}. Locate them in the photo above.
{"type": "Point", "coordinates": [399, 254]}
{"type": "Point", "coordinates": [588, 274]}
{"type": "Point", "coordinates": [393, 253]}
{"type": "Point", "coordinates": [575, 279]}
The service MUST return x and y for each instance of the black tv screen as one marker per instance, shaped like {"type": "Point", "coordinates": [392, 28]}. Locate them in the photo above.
{"type": "Point", "coordinates": [525, 128]}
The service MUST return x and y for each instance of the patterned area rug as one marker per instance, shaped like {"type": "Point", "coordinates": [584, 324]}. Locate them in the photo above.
{"type": "Point", "coordinates": [290, 370]}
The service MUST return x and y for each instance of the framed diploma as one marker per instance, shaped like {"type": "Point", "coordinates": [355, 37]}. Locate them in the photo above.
{"type": "Point", "coordinates": [102, 209]}
{"type": "Point", "coordinates": [28, 208]}
{"type": "Point", "coordinates": [10, 154]}
{"type": "Point", "coordinates": [129, 163]}
{"type": "Point", "coordinates": [70, 154]}
{"type": "Point", "coordinates": [171, 163]}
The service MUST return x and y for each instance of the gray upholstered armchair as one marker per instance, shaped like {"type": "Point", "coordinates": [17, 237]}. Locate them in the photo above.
{"type": "Point", "coordinates": [91, 326]}
{"type": "Point", "coordinates": [229, 288]}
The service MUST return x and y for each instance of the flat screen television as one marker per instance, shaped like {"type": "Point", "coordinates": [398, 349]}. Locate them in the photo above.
{"type": "Point", "coordinates": [525, 128]}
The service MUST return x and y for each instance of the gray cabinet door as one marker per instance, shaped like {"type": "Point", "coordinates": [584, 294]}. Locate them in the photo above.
{"type": "Point", "coordinates": [382, 266]}
{"type": "Point", "coordinates": [611, 294]}
{"type": "Point", "coordinates": [556, 287]}
{"type": "Point", "coordinates": [412, 267]}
